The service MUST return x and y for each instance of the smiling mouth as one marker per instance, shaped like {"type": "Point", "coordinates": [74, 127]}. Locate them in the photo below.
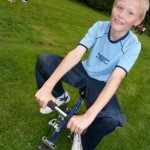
{"type": "Point", "coordinates": [118, 22]}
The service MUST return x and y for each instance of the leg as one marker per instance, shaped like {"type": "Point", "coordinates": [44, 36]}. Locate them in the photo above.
{"type": "Point", "coordinates": [46, 65]}
{"type": "Point", "coordinates": [106, 121]}
{"type": "Point", "coordinates": [97, 130]}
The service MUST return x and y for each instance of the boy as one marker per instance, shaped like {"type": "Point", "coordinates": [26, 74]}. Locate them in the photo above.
{"type": "Point", "coordinates": [114, 51]}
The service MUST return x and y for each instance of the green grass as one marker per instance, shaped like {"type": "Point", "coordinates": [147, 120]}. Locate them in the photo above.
{"type": "Point", "coordinates": [55, 26]}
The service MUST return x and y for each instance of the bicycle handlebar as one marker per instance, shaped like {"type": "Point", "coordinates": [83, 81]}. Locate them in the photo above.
{"type": "Point", "coordinates": [54, 106]}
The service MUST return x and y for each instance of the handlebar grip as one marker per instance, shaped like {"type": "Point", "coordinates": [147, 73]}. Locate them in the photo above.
{"type": "Point", "coordinates": [52, 105]}
{"type": "Point", "coordinates": [68, 117]}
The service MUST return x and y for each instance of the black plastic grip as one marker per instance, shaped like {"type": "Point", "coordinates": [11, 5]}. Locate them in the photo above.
{"type": "Point", "coordinates": [68, 117]}
{"type": "Point", "coordinates": [52, 105]}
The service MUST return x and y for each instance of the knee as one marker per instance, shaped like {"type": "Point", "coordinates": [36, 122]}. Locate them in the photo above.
{"type": "Point", "coordinates": [42, 58]}
{"type": "Point", "coordinates": [42, 62]}
{"type": "Point", "coordinates": [106, 124]}
{"type": "Point", "coordinates": [48, 61]}
{"type": "Point", "coordinates": [111, 124]}
{"type": "Point", "coordinates": [45, 60]}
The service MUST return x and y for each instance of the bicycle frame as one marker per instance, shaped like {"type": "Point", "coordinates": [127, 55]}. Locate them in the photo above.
{"type": "Point", "coordinates": [59, 126]}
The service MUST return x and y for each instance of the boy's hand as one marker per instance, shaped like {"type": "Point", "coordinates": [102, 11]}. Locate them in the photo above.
{"type": "Point", "coordinates": [43, 97]}
{"type": "Point", "coordinates": [79, 123]}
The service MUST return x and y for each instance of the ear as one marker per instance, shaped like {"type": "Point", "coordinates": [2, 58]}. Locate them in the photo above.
{"type": "Point", "coordinates": [139, 20]}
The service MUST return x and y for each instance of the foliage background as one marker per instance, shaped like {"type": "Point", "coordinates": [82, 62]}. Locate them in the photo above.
{"type": "Point", "coordinates": [105, 6]}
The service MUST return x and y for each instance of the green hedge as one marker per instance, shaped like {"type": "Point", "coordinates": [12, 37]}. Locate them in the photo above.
{"type": "Point", "coordinates": [101, 5]}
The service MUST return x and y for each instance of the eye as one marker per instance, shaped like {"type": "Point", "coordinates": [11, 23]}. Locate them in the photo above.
{"type": "Point", "coordinates": [130, 13]}
{"type": "Point", "coordinates": [119, 7]}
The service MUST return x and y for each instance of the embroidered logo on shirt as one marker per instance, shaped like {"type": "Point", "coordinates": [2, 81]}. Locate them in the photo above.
{"type": "Point", "coordinates": [102, 58]}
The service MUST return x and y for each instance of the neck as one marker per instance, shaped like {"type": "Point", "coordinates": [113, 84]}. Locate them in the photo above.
{"type": "Point", "coordinates": [115, 35]}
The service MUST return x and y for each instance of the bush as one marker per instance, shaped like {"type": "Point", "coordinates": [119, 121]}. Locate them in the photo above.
{"type": "Point", "coordinates": [101, 5]}
{"type": "Point", "coordinates": [106, 6]}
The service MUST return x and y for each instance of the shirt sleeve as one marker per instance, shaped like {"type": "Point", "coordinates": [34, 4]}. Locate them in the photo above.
{"type": "Point", "coordinates": [129, 57]}
{"type": "Point", "coordinates": [90, 37]}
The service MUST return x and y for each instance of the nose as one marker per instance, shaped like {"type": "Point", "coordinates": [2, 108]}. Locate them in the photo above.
{"type": "Point", "coordinates": [122, 14]}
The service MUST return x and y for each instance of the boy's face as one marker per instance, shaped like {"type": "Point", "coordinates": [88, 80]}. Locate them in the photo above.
{"type": "Point", "coordinates": [125, 13]}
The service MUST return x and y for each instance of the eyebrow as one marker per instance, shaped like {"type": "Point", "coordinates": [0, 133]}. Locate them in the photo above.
{"type": "Point", "coordinates": [129, 9]}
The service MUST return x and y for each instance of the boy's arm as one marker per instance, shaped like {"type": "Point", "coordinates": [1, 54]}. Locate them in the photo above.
{"type": "Point", "coordinates": [43, 95]}
{"type": "Point", "coordinates": [78, 124]}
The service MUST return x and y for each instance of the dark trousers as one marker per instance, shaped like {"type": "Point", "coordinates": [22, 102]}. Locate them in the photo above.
{"type": "Point", "coordinates": [106, 121]}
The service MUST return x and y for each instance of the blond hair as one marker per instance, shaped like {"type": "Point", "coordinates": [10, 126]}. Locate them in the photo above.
{"type": "Point", "coordinates": [144, 7]}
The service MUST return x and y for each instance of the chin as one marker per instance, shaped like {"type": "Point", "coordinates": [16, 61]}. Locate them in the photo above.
{"type": "Point", "coordinates": [118, 28]}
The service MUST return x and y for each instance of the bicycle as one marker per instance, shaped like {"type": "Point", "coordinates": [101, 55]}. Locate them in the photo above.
{"type": "Point", "coordinates": [60, 122]}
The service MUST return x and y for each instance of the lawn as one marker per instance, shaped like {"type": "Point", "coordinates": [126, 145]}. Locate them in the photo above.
{"type": "Point", "coordinates": [56, 26]}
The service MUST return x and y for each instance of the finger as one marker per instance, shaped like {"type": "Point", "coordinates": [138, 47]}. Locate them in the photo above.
{"type": "Point", "coordinates": [76, 130]}
{"type": "Point", "coordinates": [54, 100]}
{"type": "Point", "coordinates": [69, 124]}
{"type": "Point", "coordinates": [38, 101]}
{"type": "Point", "coordinates": [41, 103]}
{"type": "Point", "coordinates": [72, 128]}
{"type": "Point", "coordinates": [36, 97]}
{"type": "Point", "coordinates": [44, 104]}
{"type": "Point", "coordinates": [80, 131]}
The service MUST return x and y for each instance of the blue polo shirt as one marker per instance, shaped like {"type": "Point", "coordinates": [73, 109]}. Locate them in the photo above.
{"type": "Point", "coordinates": [105, 54]}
